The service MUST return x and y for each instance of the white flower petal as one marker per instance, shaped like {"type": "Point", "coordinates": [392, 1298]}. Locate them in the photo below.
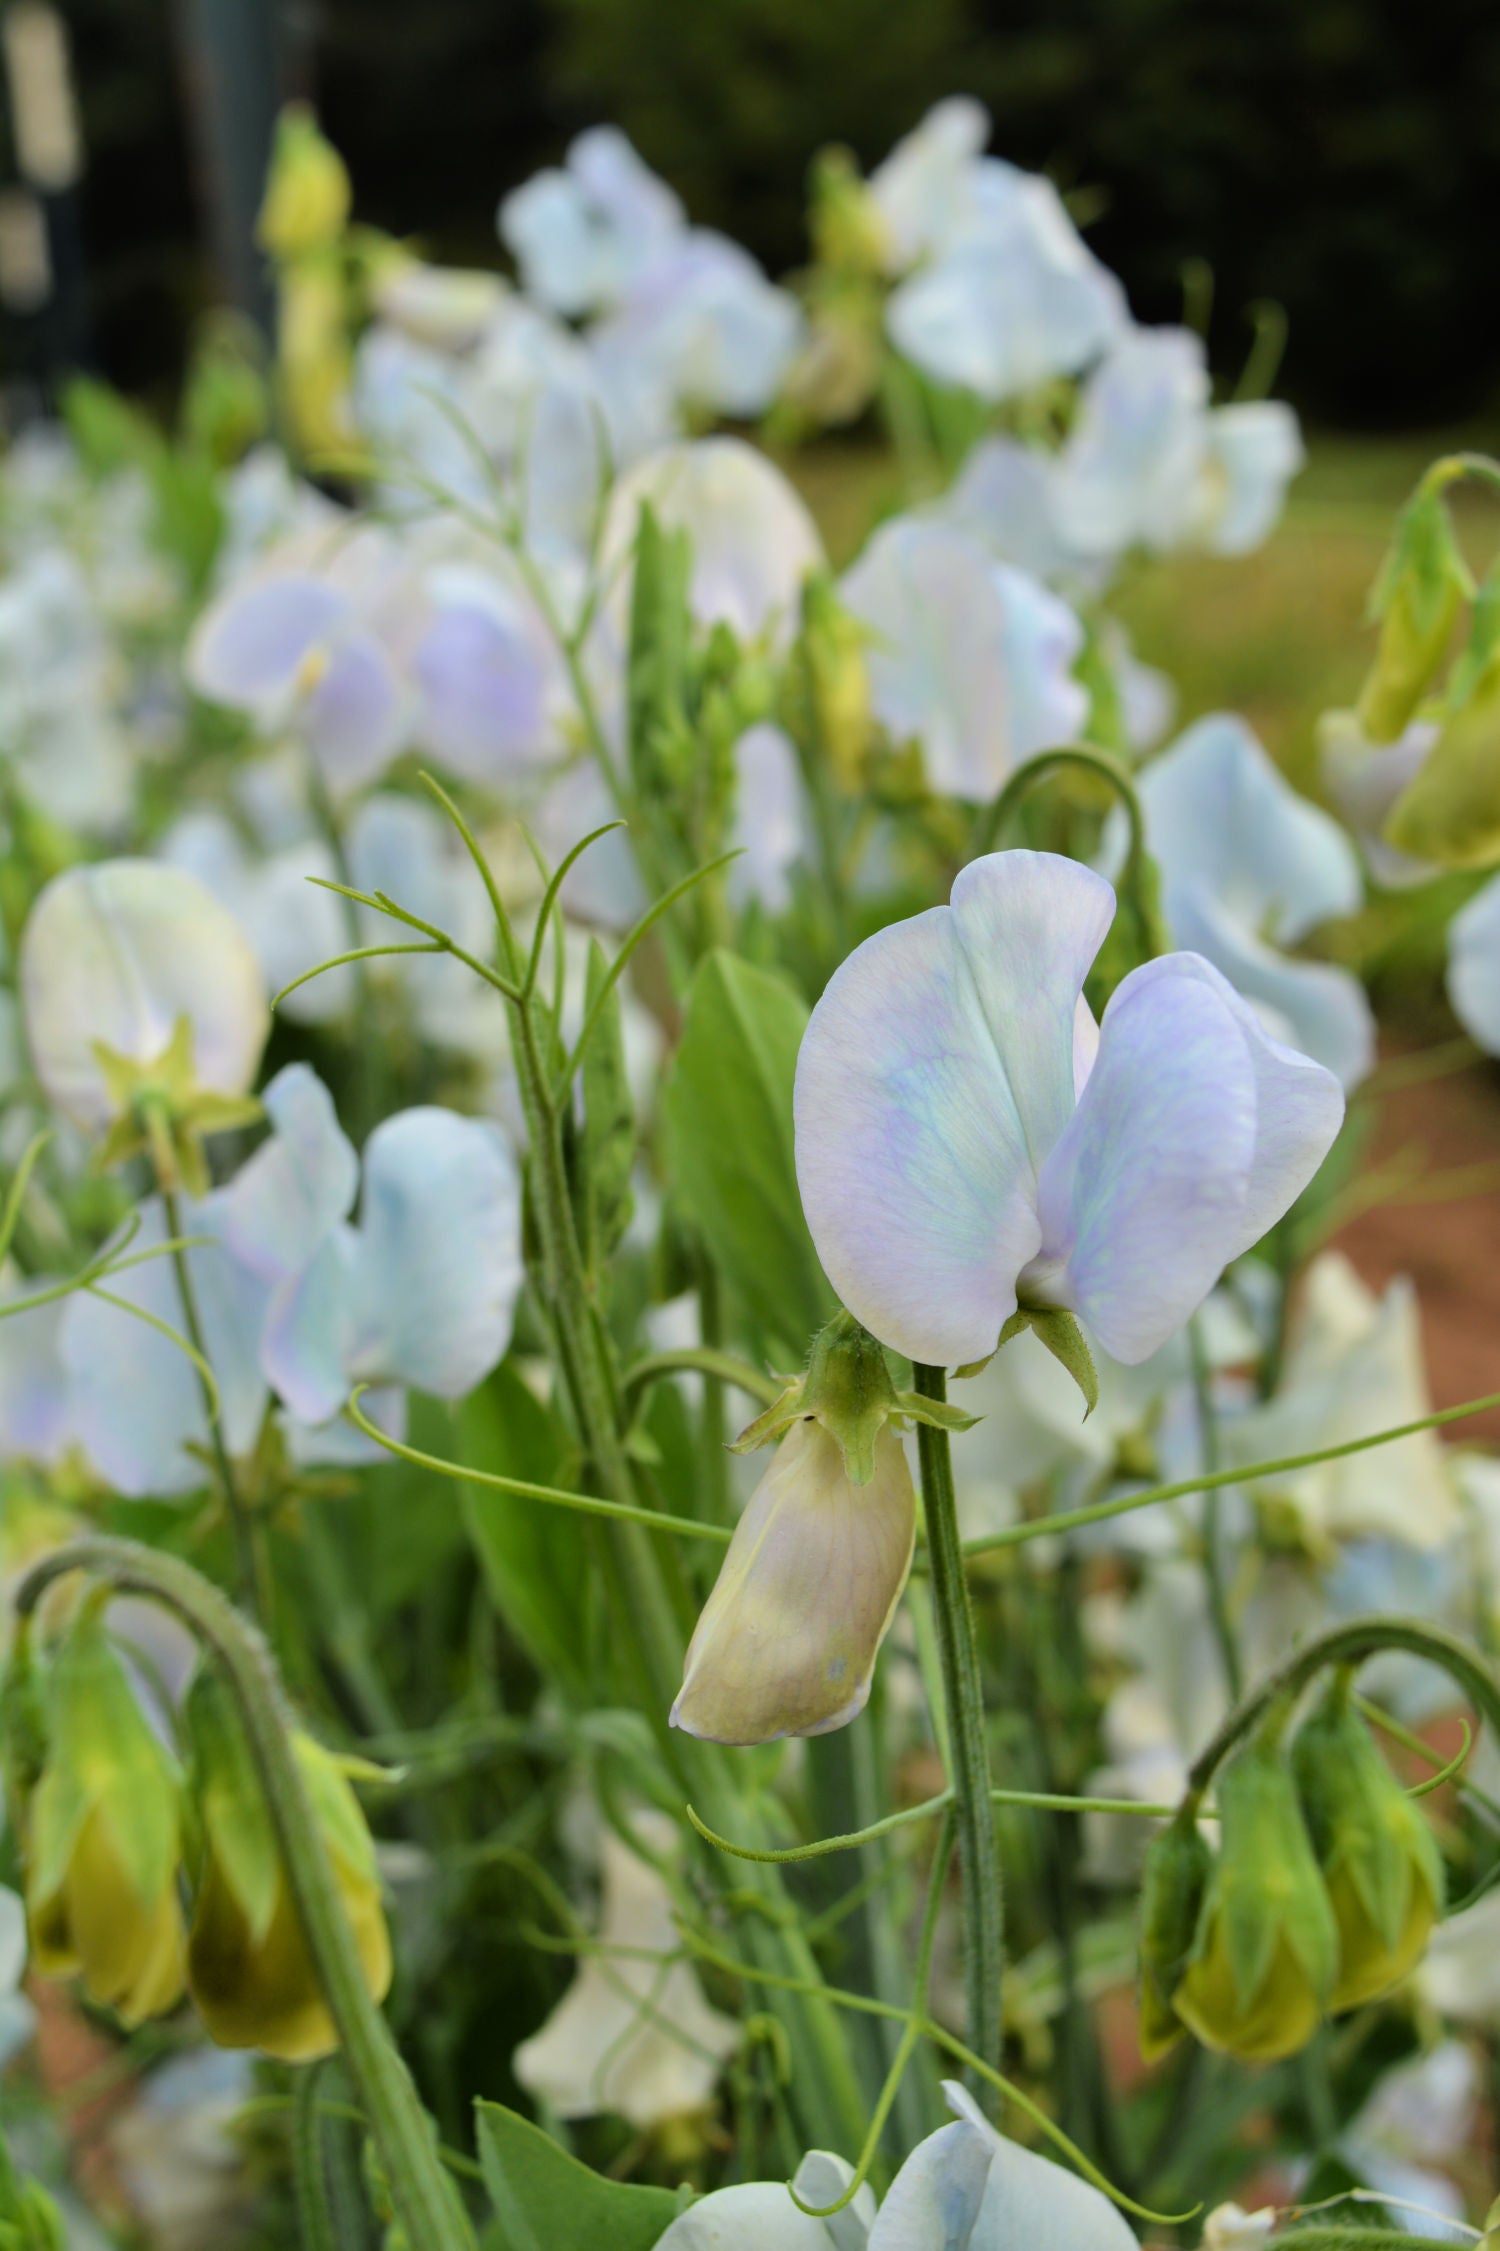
{"type": "Point", "coordinates": [770, 822]}
{"type": "Point", "coordinates": [291, 1194]}
{"type": "Point", "coordinates": [923, 188]}
{"type": "Point", "coordinates": [1311, 1005]}
{"type": "Point", "coordinates": [934, 2202]}
{"type": "Point", "coordinates": [756, 2216]}
{"type": "Point", "coordinates": [1474, 966]}
{"type": "Point", "coordinates": [1131, 472]}
{"type": "Point", "coordinates": [1255, 449]}
{"type": "Point", "coordinates": [115, 953]}
{"type": "Point", "coordinates": [1031, 2202]}
{"type": "Point", "coordinates": [355, 717]}
{"type": "Point", "coordinates": [250, 644]}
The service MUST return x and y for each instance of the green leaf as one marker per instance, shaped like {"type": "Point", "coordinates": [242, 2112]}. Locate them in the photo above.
{"type": "Point", "coordinates": [533, 1557]}
{"type": "Point", "coordinates": [545, 2200]}
{"type": "Point", "coordinates": [728, 1113]}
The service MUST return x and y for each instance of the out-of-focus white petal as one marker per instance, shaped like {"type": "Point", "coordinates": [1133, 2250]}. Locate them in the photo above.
{"type": "Point", "coordinates": [923, 189]}
{"type": "Point", "coordinates": [298, 1185]}
{"type": "Point", "coordinates": [1131, 472]}
{"type": "Point", "coordinates": [753, 540]}
{"type": "Point", "coordinates": [34, 1401]}
{"type": "Point", "coordinates": [137, 1401]}
{"type": "Point", "coordinates": [1220, 813]}
{"type": "Point", "coordinates": [1016, 300]}
{"type": "Point", "coordinates": [770, 824]}
{"type": "Point", "coordinates": [1254, 451]}
{"type": "Point", "coordinates": [707, 328]}
{"type": "Point", "coordinates": [1474, 966]}
{"type": "Point", "coordinates": [1364, 780]}
{"type": "Point", "coordinates": [788, 1638]}
{"type": "Point", "coordinates": [114, 954]}
{"type": "Point", "coordinates": [967, 2188]}
{"type": "Point", "coordinates": [633, 2034]}
{"type": "Point", "coordinates": [355, 717]}
{"type": "Point", "coordinates": [1311, 1005]}
{"type": "Point", "coordinates": [972, 658]}
{"type": "Point", "coordinates": [1460, 1976]}
{"type": "Point", "coordinates": [249, 645]}
{"type": "Point", "coordinates": [438, 1263]}
{"type": "Point", "coordinates": [1003, 497]}
{"type": "Point", "coordinates": [483, 691]}
{"type": "Point", "coordinates": [448, 306]}
{"type": "Point", "coordinates": [580, 235]}
{"type": "Point", "coordinates": [291, 923]}
{"type": "Point", "coordinates": [934, 1076]}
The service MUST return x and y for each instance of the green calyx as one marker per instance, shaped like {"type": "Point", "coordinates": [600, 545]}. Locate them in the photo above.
{"type": "Point", "coordinates": [1064, 1339]}
{"type": "Point", "coordinates": [162, 1112]}
{"type": "Point", "coordinates": [847, 1387]}
{"type": "Point", "coordinates": [1417, 598]}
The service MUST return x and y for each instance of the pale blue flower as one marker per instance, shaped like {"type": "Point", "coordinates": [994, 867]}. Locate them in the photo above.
{"type": "Point", "coordinates": [1474, 966]}
{"type": "Point", "coordinates": [420, 1292]}
{"type": "Point", "coordinates": [1364, 780]}
{"type": "Point", "coordinates": [1131, 473]}
{"type": "Point", "coordinates": [35, 1420]}
{"type": "Point", "coordinates": [581, 234]}
{"type": "Point", "coordinates": [770, 817]}
{"type": "Point", "coordinates": [1254, 450]}
{"type": "Point", "coordinates": [970, 657]}
{"type": "Point", "coordinates": [1248, 867]}
{"type": "Point", "coordinates": [965, 1136]}
{"type": "Point", "coordinates": [924, 189]}
{"type": "Point", "coordinates": [1014, 300]}
{"type": "Point", "coordinates": [1005, 498]}
{"type": "Point", "coordinates": [705, 328]}
{"type": "Point", "coordinates": [492, 685]}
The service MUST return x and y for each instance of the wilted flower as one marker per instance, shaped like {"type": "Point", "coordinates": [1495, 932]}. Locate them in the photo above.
{"type": "Point", "coordinates": [970, 657]}
{"type": "Point", "coordinates": [1178, 1870]}
{"type": "Point", "coordinates": [102, 1837]}
{"type": "Point", "coordinates": [633, 2032]}
{"type": "Point", "coordinates": [788, 1639]}
{"type": "Point", "coordinates": [248, 1967]}
{"type": "Point", "coordinates": [136, 982]}
{"type": "Point", "coordinates": [1418, 596]}
{"type": "Point", "coordinates": [967, 1140]}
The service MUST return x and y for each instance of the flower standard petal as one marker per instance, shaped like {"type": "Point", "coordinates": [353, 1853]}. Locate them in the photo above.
{"type": "Point", "coordinates": [299, 1184]}
{"type": "Point", "coordinates": [354, 717]}
{"type": "Point", "coordinates": [934, 1077]}
{"type": "Point", "coordinates": [788, 1639]}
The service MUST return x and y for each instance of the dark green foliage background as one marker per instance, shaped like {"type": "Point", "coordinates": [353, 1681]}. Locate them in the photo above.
{"type": "Point", "coordinates": [1340, 155]}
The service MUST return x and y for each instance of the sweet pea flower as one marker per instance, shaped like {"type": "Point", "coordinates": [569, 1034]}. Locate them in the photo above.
{"type": "Point", "coordinates": [633, 2033]}
{"type": "Point", "coordinates": [421, 1292]}
{"type": "Point", "coordinates": [1353, 1366]}
{"type": "Point", "coordinates": [965, 2188]}
{"type": "Point", "coordinates": [1421, 2117]}
{"type": "Point", "coordinates": [967, 1138]}
{"type": "Point", "coordinates": [1131, 471]}
{"type": "Point", "coordinates": [770, 820]}
{"type": "Point", "coordinates": [118, 957]}
{"type": "Point", "coordinates": [492, 683]}
{"type": "Point", "coordinates": [1474, 967]}
{"type": "Point", "coordinates": [1254, 450]}
{"type": "Point", "coordinates": [1248, 866]}
{"type": "Point", "coordinates": [923, 189]}
{"type": "Point", "coordinates": [582, 233]}
{"type": "Point", "coordinates": [447, 306]}
{"type": "Point", "coordinates": [972, 658]}
{"type": "Point", "coordinates": [705, 328]}
{"type": "Point", "coordinates": [301, 645]}
{"type": "Point", "coordinates": [34, 1411]}
{"type": "Point", "coordinates": [753, 540]}
{"type": "Point", "coordinates": [1005, 498]}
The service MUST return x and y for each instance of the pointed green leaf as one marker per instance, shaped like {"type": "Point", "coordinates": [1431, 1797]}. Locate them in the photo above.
{"type": "Point", "coordinates": [544, 2200]}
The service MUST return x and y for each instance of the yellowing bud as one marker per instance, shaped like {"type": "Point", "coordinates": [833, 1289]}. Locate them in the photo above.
{"type": "Point", "coordinates": [1418, 599]}
{"type": "Point", "coordinates": [308, 195]}
{"type": "Point", "coordinates": [1381, 1865]}
{"type": "Point", "coordinates": [249, 1970]}
{"type": "Point", "coordinates": [788, 1639]}
{"type": "Point", "coordinates": [102, 1835]}
{"type": "Point", "coordinates": [1267, 1946]}
{"type": "Point", "coordinates": [1449, 812]}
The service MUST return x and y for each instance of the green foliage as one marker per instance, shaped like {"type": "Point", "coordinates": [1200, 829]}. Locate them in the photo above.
{"type": "Point", "coordinates": [728, 1113]}
{"type": "Point", "coordinates": [544, 2200]}
{"type": "Point", "coordinates": [529, 1553]}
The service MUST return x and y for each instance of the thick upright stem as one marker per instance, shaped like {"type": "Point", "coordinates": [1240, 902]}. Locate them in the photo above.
{"type": "Point", "coordinates": [429, 2210]}
{"type": "Point", "coordinates": [969, 1775]}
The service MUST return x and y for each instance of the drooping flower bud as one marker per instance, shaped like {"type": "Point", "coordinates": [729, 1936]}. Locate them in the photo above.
{"type": "Point", "coordinates": [1379, 1860]}
{"type": "Point", "coordinates": [1417, 599]}
{"type": "Point", "coordinates": [1266, 1952]}
{"type": "Point", "coordinates": [248, 1965]}
{"type": "Point", "coordinates": [102, 1835]}
{"type": "Point", "coordinates": [308, 194]}
{"type": "Point", "coordinates": [145, 1009]}
{"type": "Point", "coordinates": [1173, 1882]}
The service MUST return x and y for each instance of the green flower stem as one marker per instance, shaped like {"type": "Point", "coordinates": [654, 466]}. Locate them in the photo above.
{"type": "Point", "coordinates": [1349, 1645]}
{"type": "Point", "coordinates": [430, 2212]}
{"type": "Point", "coordinates": [1071, 1520]}
{"type": "Point", "coordinates": [251, 1561]}
{"type": "Point", "coordinates": [963, 1695]}
{"type": "Point", "coordinates": [308, 2172]}
{"type": "Point", "coordinates": [993, 820]}
{"type": "Point", "coordinates": [706, 1360]}
{"type": "Point", "coordinates": [1213, 1541]}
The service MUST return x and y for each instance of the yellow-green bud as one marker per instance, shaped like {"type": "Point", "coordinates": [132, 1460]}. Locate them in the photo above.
{"type": "Point", "coordinates": [102, 1837]}
{"type": "Point", "coordinates": [837, 679]}
{"type": "Point", "coordinates": [1173, 1882]}
{"type": "Point", "coordinates": [1449, 812]}
{"type": "Point", "coordinates": [249, 1969]}
{"type": "Point", "coordinates": [1417, 599]}
{"type": "Point", "coordinates": [1379, 1860]}
{"type": "Point", "coordinates": [1266, 1951]}
{"type": "Point", "coordinates": [308, 194]}
{"type": "Point", "coordinates": [847, 226]}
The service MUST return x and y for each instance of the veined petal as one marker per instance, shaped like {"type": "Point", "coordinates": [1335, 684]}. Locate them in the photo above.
{"type": "Point", "coordinates": [788, 1639]}
{"type": "Point", "coordinates": [438, 1266]}
{"type": "Point", "coordinates": [288, 1197]}
{"type": "Point", "coordinates": [934, 1076]}
{"type": "Point", "coordinates": [1221, 815]}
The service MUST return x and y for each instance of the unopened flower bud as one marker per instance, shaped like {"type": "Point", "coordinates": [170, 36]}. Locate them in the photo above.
{"type": "Point", "coordinates": [1449, 812]}
{"type": "Point", "coordinates": [1380, 1863]}
{"type": "Point", "coordinates": [1173, 1882]}
{"type": "Point", "coordinates": [1266, 1951]}
{"type": "Point", "coordinates": [1418, 598]}
{"type": "Point", "coordinates": [308, 194]}
{"type": "Point", "coordinates": [832, 652]}
{"type": "Point", "coordinates": [848, 227]}
{"type": "Point", "coordinates": [249, 1969]}
{"type": "Point", "coordinates": [102, 1833]}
